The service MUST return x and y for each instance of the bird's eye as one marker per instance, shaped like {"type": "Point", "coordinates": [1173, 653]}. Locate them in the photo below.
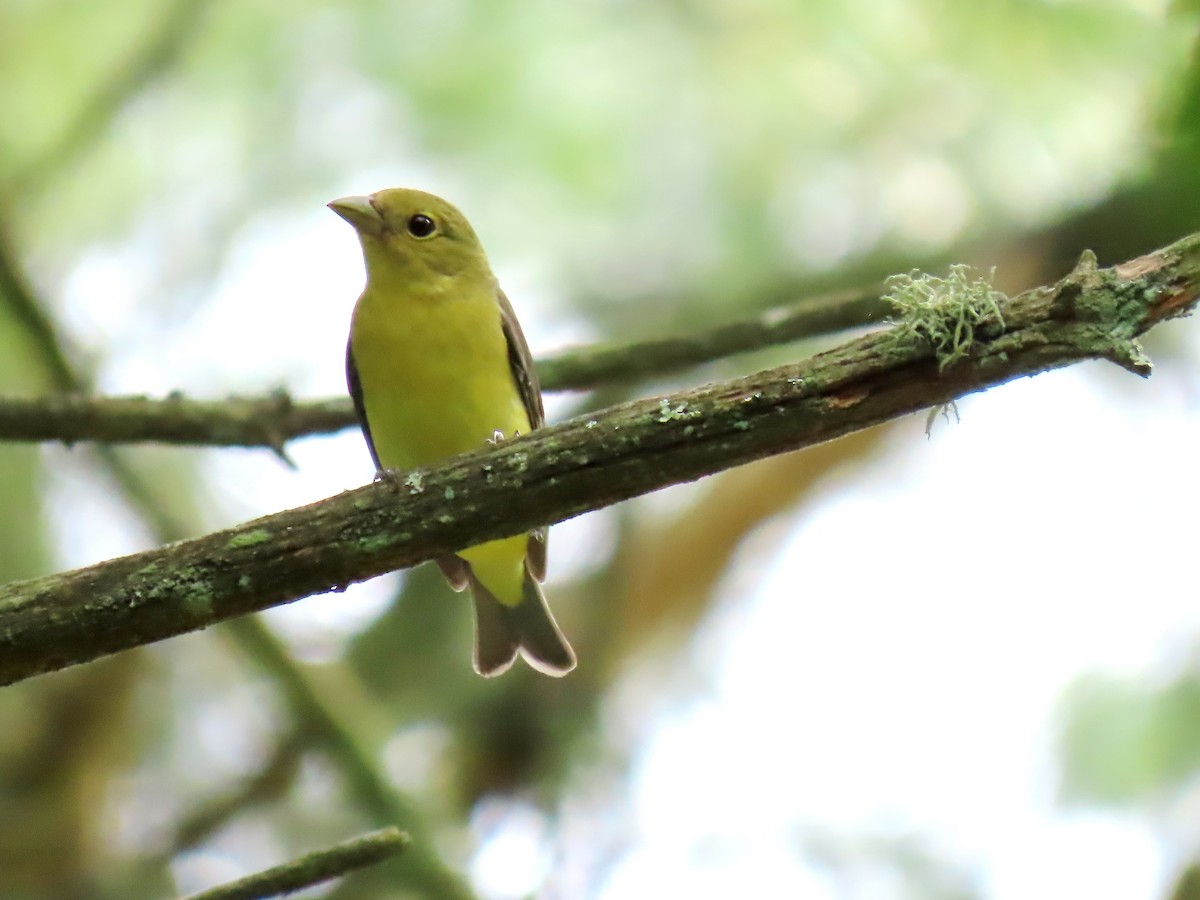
{"type": "Point", "coordinates": [421, 226]}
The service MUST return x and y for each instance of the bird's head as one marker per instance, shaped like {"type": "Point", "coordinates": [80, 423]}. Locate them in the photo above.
{"type": "Point", "coordinates": [412, 235]}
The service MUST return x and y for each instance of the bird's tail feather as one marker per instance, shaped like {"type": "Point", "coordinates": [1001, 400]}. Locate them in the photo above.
{"type": "Point", "coordinates": [501, 631]}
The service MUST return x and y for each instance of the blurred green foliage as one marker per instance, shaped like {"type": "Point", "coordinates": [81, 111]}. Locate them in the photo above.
{"type": "Point", "coordinates": [665, 165]}
{"type": "Point", "coordinates": [1130, 741]}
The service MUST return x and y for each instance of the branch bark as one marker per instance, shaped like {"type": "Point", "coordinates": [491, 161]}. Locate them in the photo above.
{"type": "Point", "coordinates": [583, 464]}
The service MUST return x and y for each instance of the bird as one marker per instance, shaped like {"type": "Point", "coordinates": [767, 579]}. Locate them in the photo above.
{"type": "Point", "coordinates": [437, 365]}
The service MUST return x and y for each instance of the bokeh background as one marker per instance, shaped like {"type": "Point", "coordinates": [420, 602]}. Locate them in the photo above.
{"type": "Point", "coordinates": [889, 667]}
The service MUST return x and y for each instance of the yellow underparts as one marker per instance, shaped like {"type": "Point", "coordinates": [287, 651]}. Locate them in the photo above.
{"type": "Point", "coordinates": [436, 381]}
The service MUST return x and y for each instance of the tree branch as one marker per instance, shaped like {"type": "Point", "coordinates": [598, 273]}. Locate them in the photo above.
{"type": "Point", "coordinates": [628, 363]}
{"type": "Point", "coordinates": [312, 868]}
{"type": "Point", "coordinates": [583, 464]}
{"type": "Point", "coordinates": [234, 422]}
{"type": "Point", "coordinates": [274, 420]}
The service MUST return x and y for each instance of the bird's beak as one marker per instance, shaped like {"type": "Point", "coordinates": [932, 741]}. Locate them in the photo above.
{"type": "Point", "coordinates": [359, 212]}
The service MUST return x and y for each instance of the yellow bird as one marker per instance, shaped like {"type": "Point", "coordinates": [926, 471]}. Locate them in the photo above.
{"type": "Point", "coordinates": [437, 365]}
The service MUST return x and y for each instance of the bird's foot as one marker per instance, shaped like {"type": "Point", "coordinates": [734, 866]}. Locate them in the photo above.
{"type": "Point", "coordinates": [393, 478]}
{"type": "Point", "coordinates": [498, 437]}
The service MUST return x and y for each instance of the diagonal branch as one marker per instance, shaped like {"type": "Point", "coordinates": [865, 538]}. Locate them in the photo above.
{"type": "Point", "coordinates": [628, 363]}
{"type": "Point", "coordinates": [18, 294]}
{"type": "Point", "coordinates": [274, 420]}
{"type": "Point", "coordinates": [587, 463]}
{"type": "Point", "coordinates": [312, 868]}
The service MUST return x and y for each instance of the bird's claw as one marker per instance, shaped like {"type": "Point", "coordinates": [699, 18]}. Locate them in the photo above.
{"type": "Point", "coordinates": [391, 477]}
{"type": "Point", "coordinates": [498, 437]}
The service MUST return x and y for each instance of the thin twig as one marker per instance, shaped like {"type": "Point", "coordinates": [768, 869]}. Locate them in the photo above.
{"type": "Point", "coordinates": [312, 868]}
{"type": "Point", "coordinates": [269, 421]}
{"type": "Point", "coordinates": [631, 362]}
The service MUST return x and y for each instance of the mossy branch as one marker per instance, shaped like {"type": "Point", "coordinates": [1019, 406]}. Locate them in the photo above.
{"type": "Point", "coordinates": [272, 421]}
{"type": "Point", "coordinates": [587, 463]}
{"type": "Point", "coordinates": [312, 868]}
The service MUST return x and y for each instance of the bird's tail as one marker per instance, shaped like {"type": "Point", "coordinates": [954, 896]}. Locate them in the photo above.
{"type": "Point", "coordinates": [501, 631]}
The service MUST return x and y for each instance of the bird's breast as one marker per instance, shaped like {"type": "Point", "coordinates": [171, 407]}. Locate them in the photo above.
{"type": "Point", "coordinates": [435, 375]}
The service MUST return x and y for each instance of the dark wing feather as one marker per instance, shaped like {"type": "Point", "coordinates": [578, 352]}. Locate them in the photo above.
{"type": "Point", "coordinates": [520, 362]}
{"type": "Point", "coordinates": [360, 408]}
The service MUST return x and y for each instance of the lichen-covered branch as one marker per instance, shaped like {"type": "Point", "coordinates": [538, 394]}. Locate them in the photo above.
{"type": "Point", "coordinates": [312, 868]}
{"type": "Point", "coordinates": [583, 464]}
{"type": "Point", "coordinates": [269, 421]}
{"type": "Point", "coordinates": [273, 420]}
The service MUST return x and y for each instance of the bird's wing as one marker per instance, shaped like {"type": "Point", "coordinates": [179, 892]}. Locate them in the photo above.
{"type": "Point", "coordinates": [360, 408]}
{"type": "Point", "coordinates": [520, 362]}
